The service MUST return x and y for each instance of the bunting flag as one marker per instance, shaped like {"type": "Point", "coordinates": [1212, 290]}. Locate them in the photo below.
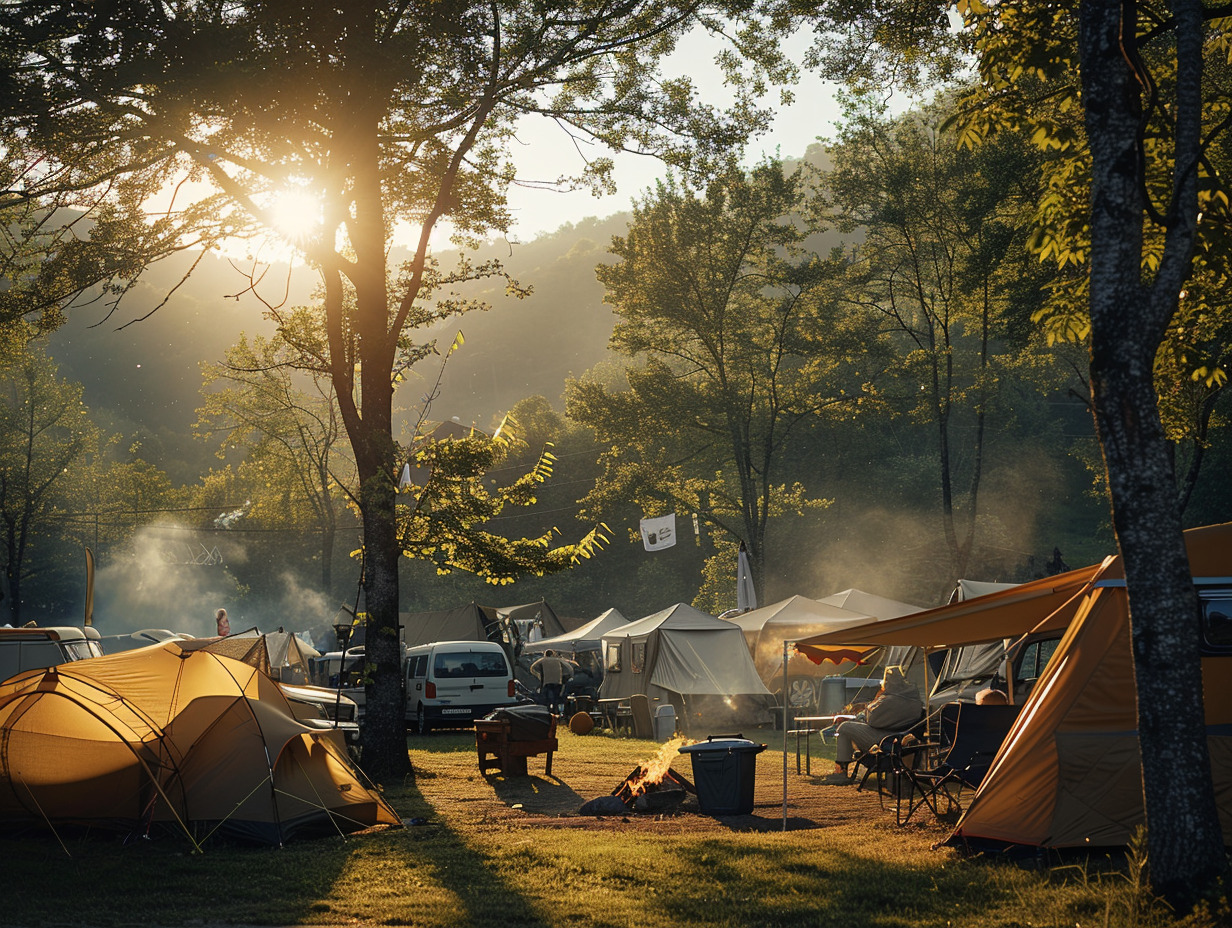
{"type": "Point", "coordinates": [659, 533]}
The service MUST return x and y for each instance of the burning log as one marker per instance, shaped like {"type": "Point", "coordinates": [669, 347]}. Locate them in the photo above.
{"type": "Point", "coordinates": [655, 776]}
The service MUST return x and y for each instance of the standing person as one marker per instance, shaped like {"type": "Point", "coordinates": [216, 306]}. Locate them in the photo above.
{"type": "Point", "coordinates": [224, 624]}
{"type": "Point", "coordinates": [552, 673]}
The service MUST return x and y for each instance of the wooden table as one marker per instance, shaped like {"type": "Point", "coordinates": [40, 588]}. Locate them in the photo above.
{"type": "Point", "coordinates": [806, 727]}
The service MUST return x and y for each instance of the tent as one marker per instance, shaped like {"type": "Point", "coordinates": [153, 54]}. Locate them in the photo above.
{"type": "Point", "coordinates": [282, 655]}
{"type": "Point", "coordinates": [473, 622]}
{"type": "Point", "coordinates": [879, 607]}
{"type": "Point", "coordinates": [586, 637]}
{"type": "Point", "coordinates": [173, 737]}
{"type": "Point", "coordinates": [1068, 773]}
{"type": "Point", "coordinates": [678, 655]}
{"type": "Point", "coordinates": [766, 629]}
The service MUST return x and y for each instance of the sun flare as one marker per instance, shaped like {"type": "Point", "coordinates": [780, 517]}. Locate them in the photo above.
{"type": "Point", "coordinates": [296, 214]}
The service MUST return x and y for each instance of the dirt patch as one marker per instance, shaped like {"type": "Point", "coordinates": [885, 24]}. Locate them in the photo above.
{"type": "Point", "coordinates": [587, 767]}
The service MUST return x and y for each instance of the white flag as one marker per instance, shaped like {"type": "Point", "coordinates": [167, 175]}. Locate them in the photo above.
{"type": "Point", "coordinates": [406, 477]}
{"type": "Point", "coordinates": [659, 533]}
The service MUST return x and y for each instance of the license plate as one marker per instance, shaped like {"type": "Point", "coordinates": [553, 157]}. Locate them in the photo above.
{"type": "Point", "coordinates": [455, 712]}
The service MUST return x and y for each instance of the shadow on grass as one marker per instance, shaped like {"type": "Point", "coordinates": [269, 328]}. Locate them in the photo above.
{"type": "Point", "coordinates": [99, 879]}
{"type": "Point", "coordinates": [536, 795]}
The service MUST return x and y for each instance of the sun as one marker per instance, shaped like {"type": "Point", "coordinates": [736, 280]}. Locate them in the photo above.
{"type": "Point", "coordinates": [296, 213]}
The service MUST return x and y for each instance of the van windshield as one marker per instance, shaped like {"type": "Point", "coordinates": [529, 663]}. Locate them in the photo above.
{"type": "Point", "coordinates": [469, 664]}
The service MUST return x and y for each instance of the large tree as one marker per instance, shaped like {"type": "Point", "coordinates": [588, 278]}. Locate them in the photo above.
{"type": "Point", "coordinates": [939, 262]}
{"type": "Point", "coordinates": [1152, 92]}
{"type": "Point", "coordinates": [290, 426]}
{"type": "Point", "coordinates": [734, 343]}
{"type": "Point", "coordinates": [44, 432]}
{"type": "Point", "coordinates": [386, 113]}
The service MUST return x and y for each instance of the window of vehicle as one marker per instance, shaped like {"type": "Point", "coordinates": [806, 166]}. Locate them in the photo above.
{"type": "Point", "coordinates": [611, 657]}
{"type": "Point", "coordinates": [449, 664]}
{"type": "Point", "coordinates": [637, 660]}
{"type": "Point", "coordinates": [80, 650]}
{"type": "Point", "coordinates": [419, 665]}
{"type": "Point", "coordinates": [1216, 603]}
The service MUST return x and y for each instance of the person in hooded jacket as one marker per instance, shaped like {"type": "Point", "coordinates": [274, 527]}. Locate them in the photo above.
{"type": "Point", "coordinates": [896, 708]}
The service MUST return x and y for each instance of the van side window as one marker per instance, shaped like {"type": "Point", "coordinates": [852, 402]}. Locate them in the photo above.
{"type": "Point", "coordinates": [611, 657]}
{"type": "Point", "coordinates": [40, 654]}
{"type": "Point", "coordinates": [1035, 658]}
{"type": "Point", "coordinates": [1216, 603]}
{"type": "Point", "coordinates": [419, 665]}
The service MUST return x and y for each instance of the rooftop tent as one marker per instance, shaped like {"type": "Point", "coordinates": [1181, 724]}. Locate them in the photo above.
{"type": "Point", "coordinates": [586, 637]}
{"type": "Point", "coordinates": [681, 652]}
{"type": "Point", "coordinates": [172, 737]}
{"type": "Point", "coordinates": [1068, 774]}
{"type": "Point", "coordinates": [280, 654]}
{"type": "Point", "coordinates": [766, 629]}
{"type": "Point", "coordinates": [969, 589]}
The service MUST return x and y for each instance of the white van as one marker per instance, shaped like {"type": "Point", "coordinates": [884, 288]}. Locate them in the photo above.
{"type": "Point", "coordinates": [452, 683]}
{"type": "Point", "coordinates": [34, 648]}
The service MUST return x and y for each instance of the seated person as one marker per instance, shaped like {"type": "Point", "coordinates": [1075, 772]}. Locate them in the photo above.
{"type": "Point", "coordinates": [896, 707]}
{"type": "Point", "coordinates": [991, 697]}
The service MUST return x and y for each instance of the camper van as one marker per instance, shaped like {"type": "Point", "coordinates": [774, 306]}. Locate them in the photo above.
{"type": "Point", "coordinates": [33, 648]}
{"type": "Point", "coordinates": [452, 683]}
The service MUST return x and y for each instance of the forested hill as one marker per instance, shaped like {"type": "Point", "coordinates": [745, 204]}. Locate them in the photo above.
{"type": "Point", "coordinates": [528, 347]}
{"type": "Point", "coordinates": [141, 367]}
{"type": "Point", "coordinates": [142, 377]}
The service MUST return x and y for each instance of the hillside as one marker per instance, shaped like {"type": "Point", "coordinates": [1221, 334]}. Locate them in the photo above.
{"type": "Point", "coordinates": [142, 376]}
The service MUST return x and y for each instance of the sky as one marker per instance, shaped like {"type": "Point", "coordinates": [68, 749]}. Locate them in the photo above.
{"type": "Point", "coordinates": [546, 153]}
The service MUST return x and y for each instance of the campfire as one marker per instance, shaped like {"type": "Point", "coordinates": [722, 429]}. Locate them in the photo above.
{"type": "Point", "coordinates": [654, 786]}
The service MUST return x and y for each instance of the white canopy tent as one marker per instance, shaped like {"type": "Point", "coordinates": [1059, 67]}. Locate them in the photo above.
{"type": "Point", "coordinates": [586, 637]}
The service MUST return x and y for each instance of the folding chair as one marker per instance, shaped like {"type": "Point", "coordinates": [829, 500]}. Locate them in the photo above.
{"type": "Point", "coordinates": [880, 761]}
{"type": "Point", "coordinates": [969, 738]}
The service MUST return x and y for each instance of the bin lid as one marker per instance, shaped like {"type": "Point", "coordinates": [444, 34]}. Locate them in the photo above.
{"type": "Point", "coordinates": [724, 743]}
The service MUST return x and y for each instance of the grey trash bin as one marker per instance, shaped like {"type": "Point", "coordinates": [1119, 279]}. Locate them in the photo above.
{"type": "Point", "coordinates": [833, 695]}
{"type": "Point", "coordinates": [724, 772]}
{"type": "Point", "coordinates": [664, 723]}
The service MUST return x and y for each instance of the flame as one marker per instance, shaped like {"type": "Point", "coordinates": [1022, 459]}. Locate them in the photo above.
{"type": "Point", "coordinates": [653, 771]}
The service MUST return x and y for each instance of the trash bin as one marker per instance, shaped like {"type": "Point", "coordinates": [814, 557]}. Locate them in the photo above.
{"type": "Point", "coordinates": [724, 772]}
{"type": "Point", "coordinates": [833, 695]}
{"type": "Point", "coordinates": [664, 722]}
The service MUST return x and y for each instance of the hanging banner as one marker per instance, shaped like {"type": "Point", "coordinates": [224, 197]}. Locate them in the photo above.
{"type": "Point", "coordinates": [659, 533]}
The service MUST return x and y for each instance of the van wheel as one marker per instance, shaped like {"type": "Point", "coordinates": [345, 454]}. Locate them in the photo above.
{"type": "Point", "coordinates": [421, 721]}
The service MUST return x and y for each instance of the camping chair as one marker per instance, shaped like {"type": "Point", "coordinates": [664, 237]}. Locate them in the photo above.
{"type": "Point", "coordinates": [643, 724]}
{"type": "Point", "coordinates": [884, 758]}
{"type": "Point", "coordinates": [969, 738]}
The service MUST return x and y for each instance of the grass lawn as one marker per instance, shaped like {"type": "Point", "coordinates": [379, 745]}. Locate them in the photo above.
{"type": "Point", "coordinates": [494, 852]}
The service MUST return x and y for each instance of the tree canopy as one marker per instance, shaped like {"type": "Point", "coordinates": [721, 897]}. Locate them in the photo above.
{"type": "Point", "coordinates": [385, 115]}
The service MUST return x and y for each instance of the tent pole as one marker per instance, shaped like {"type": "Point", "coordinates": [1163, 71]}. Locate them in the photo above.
{"type": "Point", "coordinates": [785, 701]}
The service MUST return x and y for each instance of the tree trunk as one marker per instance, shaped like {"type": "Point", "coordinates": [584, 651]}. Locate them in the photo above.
{"type": "Point", "coordinates": [1128, 323]}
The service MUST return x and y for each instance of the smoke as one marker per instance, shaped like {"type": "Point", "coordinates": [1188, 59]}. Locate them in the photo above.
{"type": "Point", "coordinates": [176, 578]}
{"type": "Point", "coordinates": [902, 553]}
